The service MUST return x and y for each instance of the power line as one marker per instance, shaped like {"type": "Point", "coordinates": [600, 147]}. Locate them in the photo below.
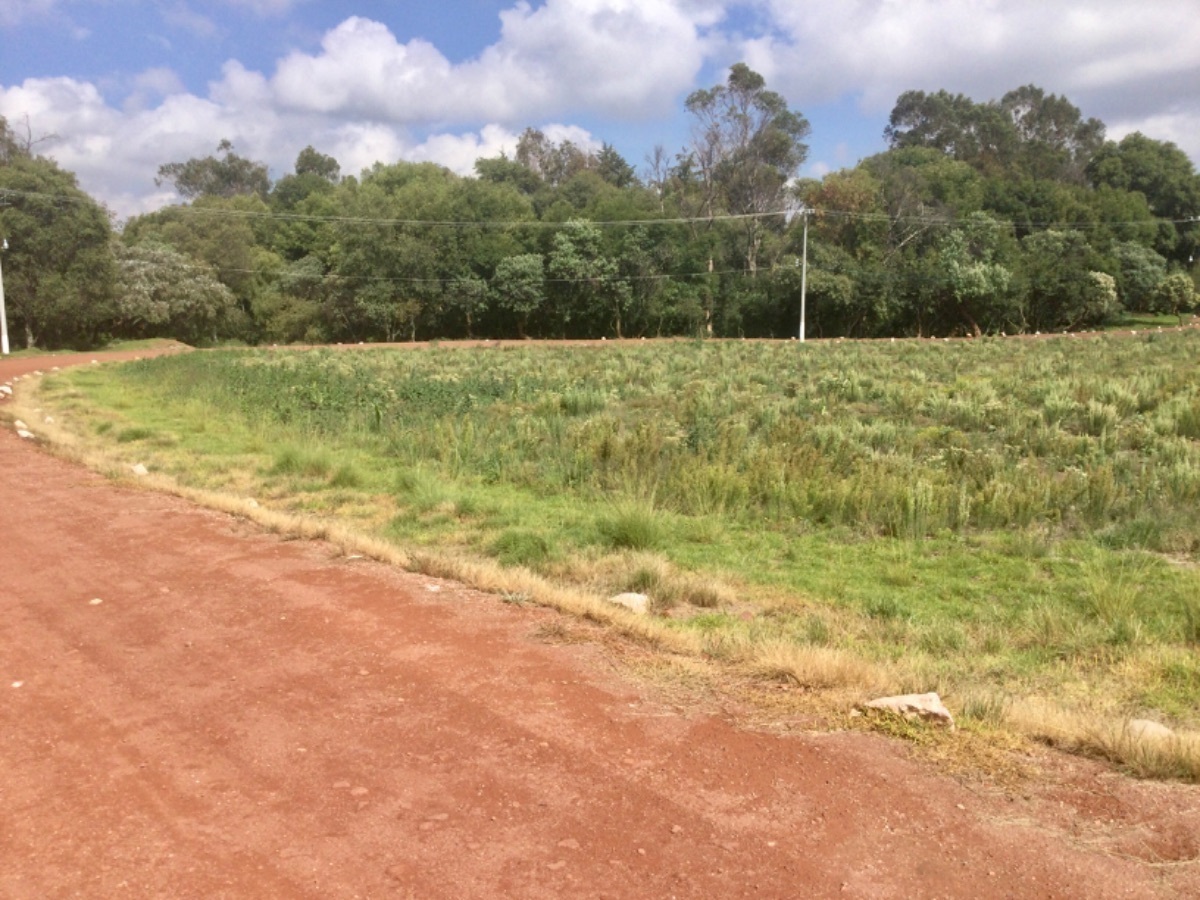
{"type": "Point", "coordinates": [271, 215]}
{"type": "Point", "coordinates": [851, 215]}
{"type": "Point", "coordinates": [443, 281]}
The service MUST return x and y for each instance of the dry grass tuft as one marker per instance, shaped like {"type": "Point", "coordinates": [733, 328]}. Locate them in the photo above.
{"type": "Point", "coordinates": [818, 668]}
{"type": "Point", "coordinates": [646, 573]}
{"type": "Point", "coordinates": [1147, 754]}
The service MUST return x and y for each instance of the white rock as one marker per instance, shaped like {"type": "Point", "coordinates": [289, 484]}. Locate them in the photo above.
{"type": "Point", "coordinates": [22, 433]}
{"type": "Point", "coordinates": [1147, 728]}
{"type": "Point", "coordinates": [18, 424]}
{"type": "Point", "coordinates": [636, 602]}
{"type": "Point", "coordinates": [49, 420]}
{"type": "Point", "coordinates": [916, 706]}
{"type": "Point", "coordinates": [139, 470]}
{"type": "Point", "coordinates": [5, 390]}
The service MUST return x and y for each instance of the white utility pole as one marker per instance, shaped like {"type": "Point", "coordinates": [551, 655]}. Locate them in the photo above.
{"type": "Point", "coordinates": [3, 316]}
{"type": "Point", "coordinates": [804, 275]}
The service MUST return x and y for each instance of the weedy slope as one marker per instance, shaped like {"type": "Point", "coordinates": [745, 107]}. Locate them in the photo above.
{"type": "Point", "coordinates": [1004, 521]}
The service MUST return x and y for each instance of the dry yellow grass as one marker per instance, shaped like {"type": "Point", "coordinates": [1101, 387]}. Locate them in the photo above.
{"type": "Point", "coordinates": [817, 668]}
{"type": "Point", "coordinates": [1148, 753]}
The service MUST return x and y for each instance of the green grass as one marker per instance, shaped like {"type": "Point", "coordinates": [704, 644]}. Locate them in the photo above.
{"type": "Point", "coordinates": [114, 346]}
{"type": "Point", "coordinates": [1149, 321]}
{"type": "Point", "coordinates": [991, 519]}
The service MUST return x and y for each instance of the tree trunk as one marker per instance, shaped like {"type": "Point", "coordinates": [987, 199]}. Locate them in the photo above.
{"type": "Point", "coordinates": [752, 248]}
{"type": "Point", "coordinates": [708, 305]}
{"type": "Point", "coordinates": [974, 325]}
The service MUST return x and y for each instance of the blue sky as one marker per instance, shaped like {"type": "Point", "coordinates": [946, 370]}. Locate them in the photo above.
{"type": "Point", "coordinates": [126, 85]}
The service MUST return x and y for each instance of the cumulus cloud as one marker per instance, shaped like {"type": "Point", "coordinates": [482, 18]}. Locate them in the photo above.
{"type": "Point", "coordinates": [116, 152]}
{"type": "Point", "coordinates": [151, 86]}
{"type": "Point", "coordinates": [616, 57]}
{"type": "Point", "coordinates": [365, 95]}
{"type": "Point", "coordinates": [1114, 65]}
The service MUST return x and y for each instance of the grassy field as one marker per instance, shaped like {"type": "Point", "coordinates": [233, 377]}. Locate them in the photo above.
{"type": "Point", "coordinates": [1013, 523]}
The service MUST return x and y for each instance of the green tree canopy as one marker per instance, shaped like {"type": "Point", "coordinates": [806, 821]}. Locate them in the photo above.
{"type": "Point", "coordinates": [211, 176]}
{"type": "Point", "coordinates": [310, 162]}
{"type": "Point", "coordinates": [58, 269]}
{"type": "Point", "coordinates": [519, 287]}
{"type": "Point", "coordinates": [162, 293]}
{"type": "Point", "coordinates": [1165, 176]}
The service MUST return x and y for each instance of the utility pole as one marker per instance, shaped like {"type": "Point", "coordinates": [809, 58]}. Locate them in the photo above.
{"type": "Point", "coordinates": [3, 315]}
{"type": "Point", "coordinates": [804, 275]}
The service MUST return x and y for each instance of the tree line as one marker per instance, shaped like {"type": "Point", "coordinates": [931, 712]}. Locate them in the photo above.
{"type": "Point", "coordinates": [1010, 215]}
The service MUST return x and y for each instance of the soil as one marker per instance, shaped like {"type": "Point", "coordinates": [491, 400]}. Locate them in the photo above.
{"type": "Point", "coordinates": [190, 707]}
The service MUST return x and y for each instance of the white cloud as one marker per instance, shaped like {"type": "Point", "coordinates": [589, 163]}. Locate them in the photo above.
{"type": "Point", "coordinates": [14, 12]}
{"type": "Point", "coordinates": [609, 56]}
{"type": "Point", "coordinates": [116, 152]}
{"type": "Point", "coordinates": [180, 15]}
{"type": "Point", "coordinates": [877, 49]}
{"type": "Point", "coordinates": [458, 152]}
{"type": "Point", "coordinates": [265, 7]}
{"type": "Point", "coordinates": [364, 96]}
{"type": "Point", "coordinates": [152, 86]}
{"type": "Point", "coordinates": [1180, 126]}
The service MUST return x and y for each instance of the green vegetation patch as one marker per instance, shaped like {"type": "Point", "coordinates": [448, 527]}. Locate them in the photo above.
{"type": "Point", "coordinates": [989, 518]}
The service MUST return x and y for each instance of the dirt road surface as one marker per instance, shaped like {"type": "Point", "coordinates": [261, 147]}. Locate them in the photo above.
{"type": "Point", "coordinates": [192, 708]}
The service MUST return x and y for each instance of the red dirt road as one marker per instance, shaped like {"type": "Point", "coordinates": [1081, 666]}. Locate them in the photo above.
{"type": "Point", "coordinates": [242, 716]}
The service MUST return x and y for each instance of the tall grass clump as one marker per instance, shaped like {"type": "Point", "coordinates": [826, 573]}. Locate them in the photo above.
{"type": "Point", "coordinates": [631, 528]}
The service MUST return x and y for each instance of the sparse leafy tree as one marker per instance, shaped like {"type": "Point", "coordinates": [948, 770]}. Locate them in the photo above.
{"type": "Point", "coordinates": [978, 285]}
{"type": "Point", "coordinates": [1175, 295]}
{"type": "Point", "coordinates": [468, 295]}
{"type": "Point", "coordinates": [746, 145]}
{"type": "Point", "coordinates": [210, 176]}
{"type": "Point", "coordinates": [310, 162]}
